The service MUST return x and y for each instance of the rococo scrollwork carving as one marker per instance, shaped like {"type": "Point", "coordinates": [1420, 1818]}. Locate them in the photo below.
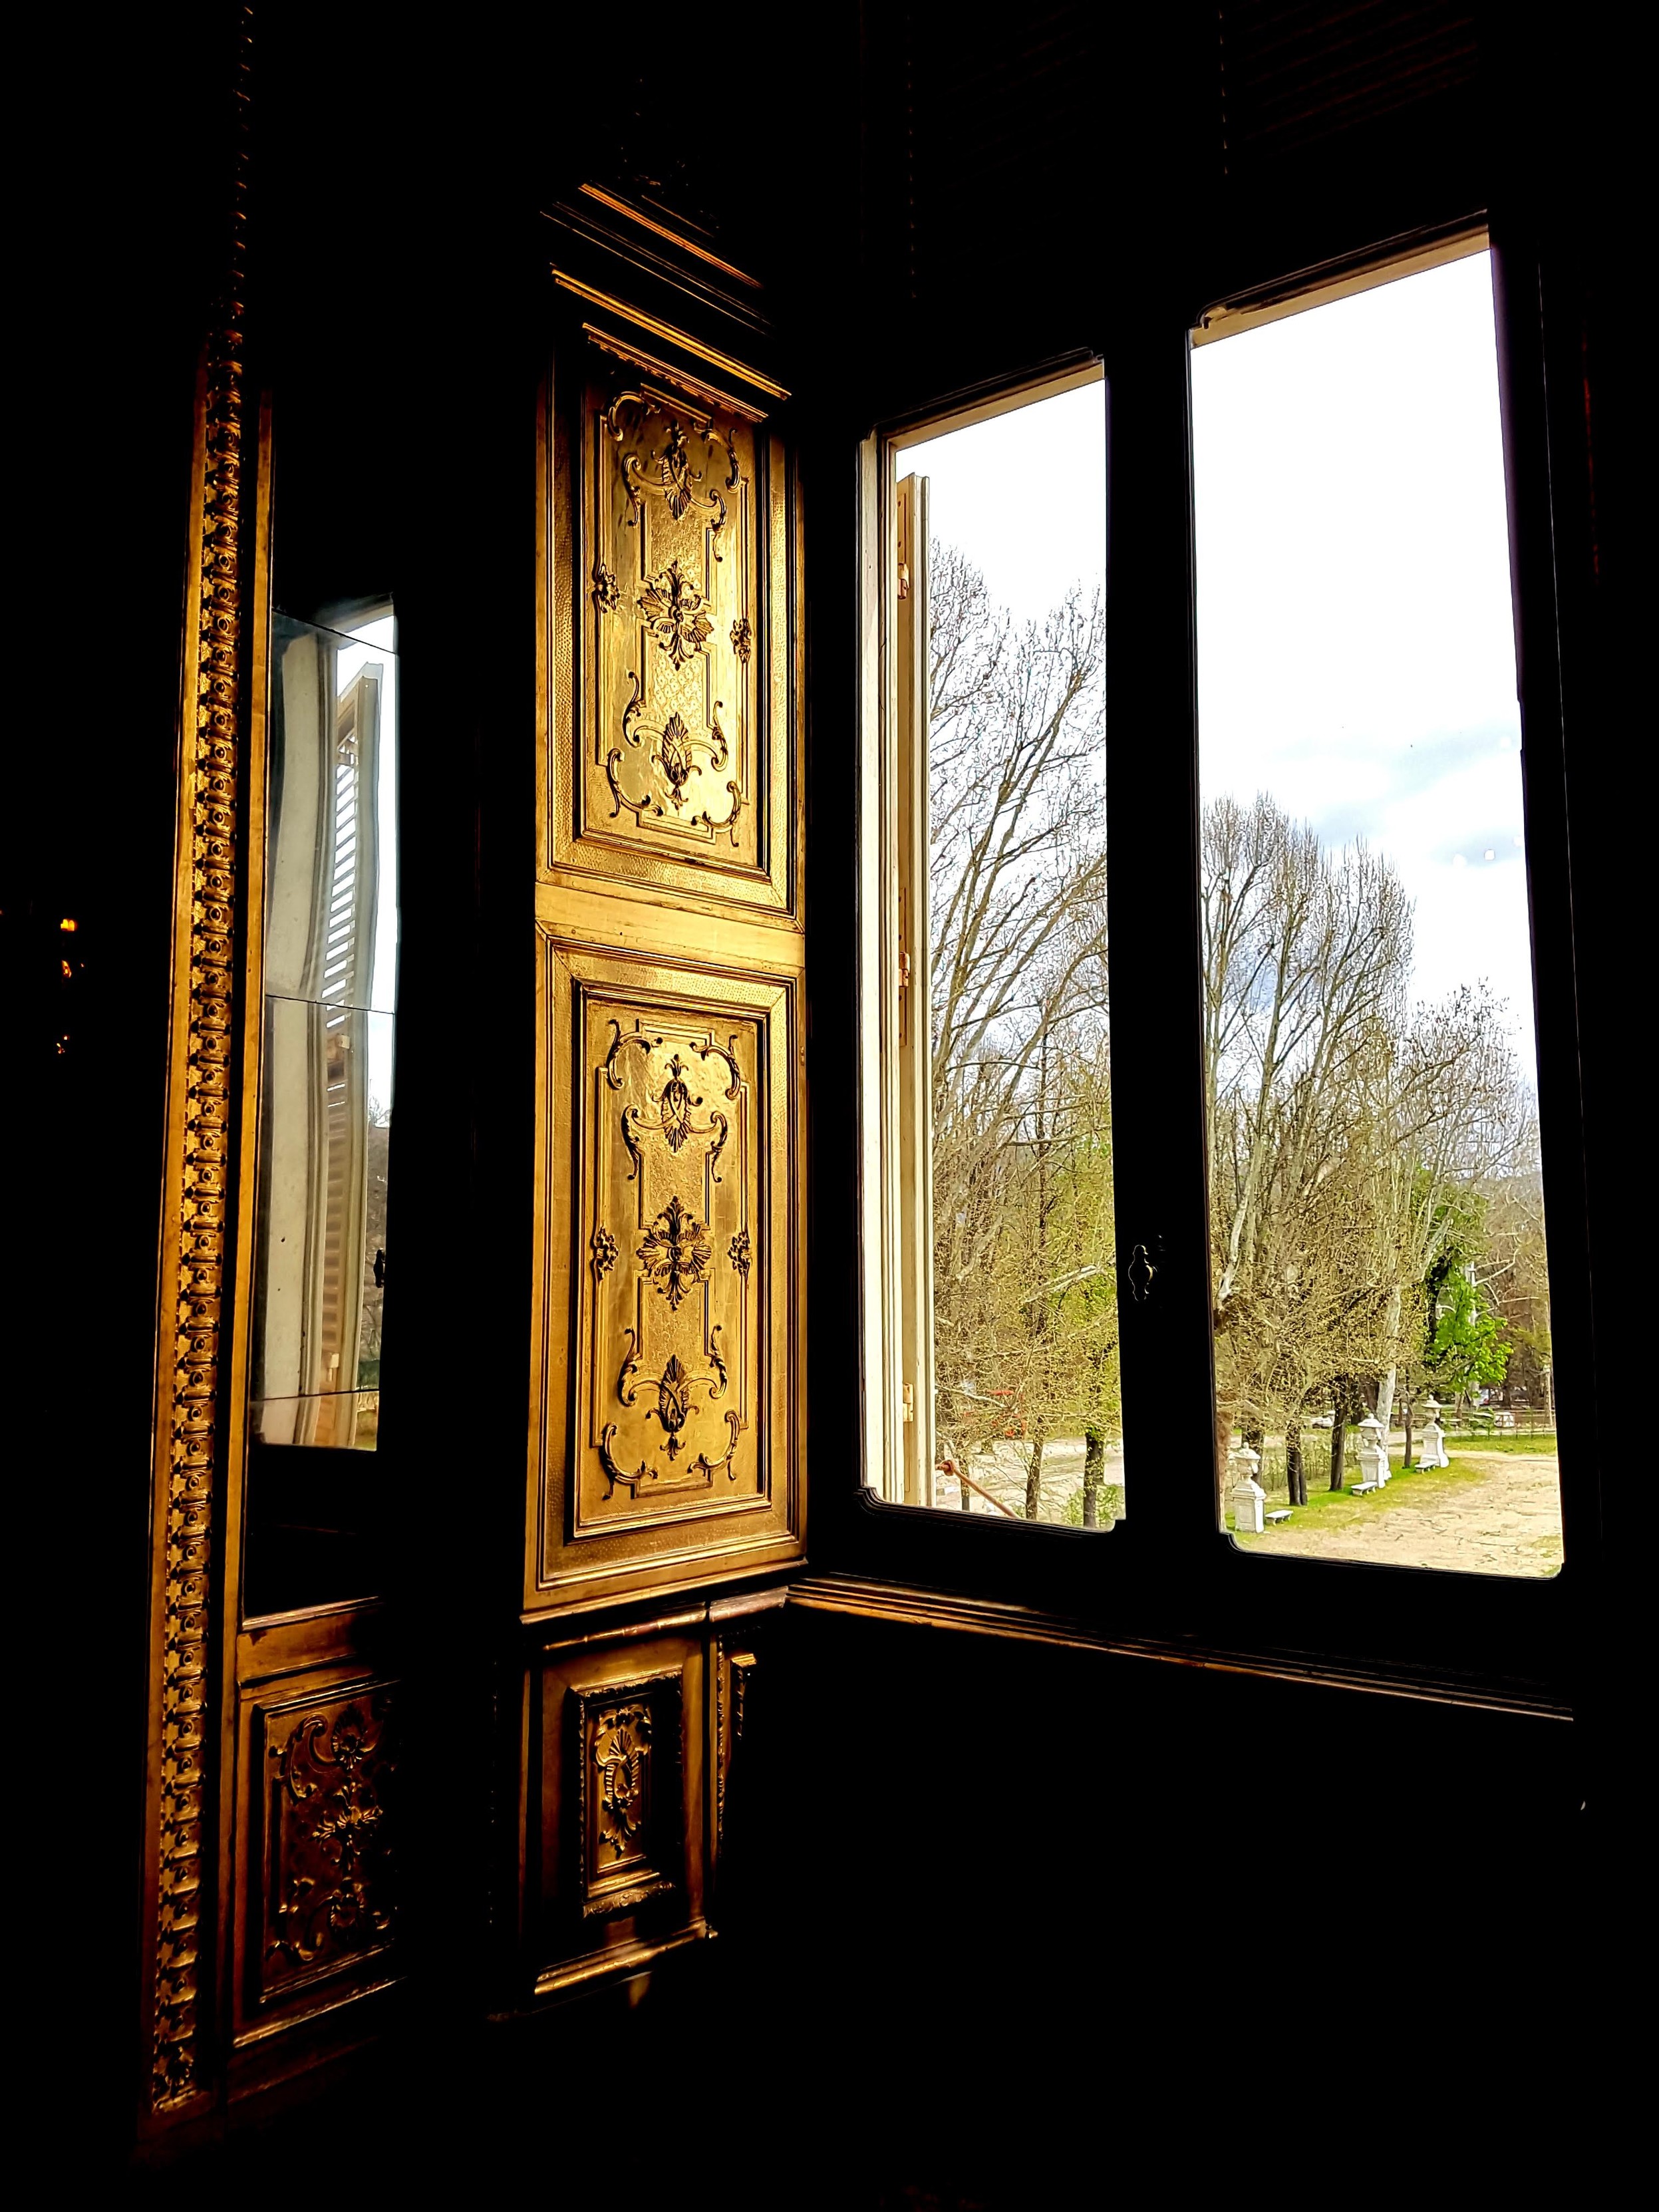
{"type": "Point", "coordinates": [629, 1813]}
{"type": "Point", "coordinates": [332, 1866]}
{"type": "Point", "coordinates": [672, 699]}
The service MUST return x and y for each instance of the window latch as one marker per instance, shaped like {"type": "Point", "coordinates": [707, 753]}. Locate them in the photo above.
{"type": "Point", "coordinates": [1141, 1270]}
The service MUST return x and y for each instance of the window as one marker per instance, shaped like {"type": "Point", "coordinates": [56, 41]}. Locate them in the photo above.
{"type": "Point", "coordinates": [1384, 1384]}
{"type": "Point", "coordinates": [1368, 1147]}
{"type": "Point", "coordinates": [1000, 1359]}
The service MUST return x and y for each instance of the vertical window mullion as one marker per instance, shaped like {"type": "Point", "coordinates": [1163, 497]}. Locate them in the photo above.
{"type": "Point", "coordinates": [1152, 903]}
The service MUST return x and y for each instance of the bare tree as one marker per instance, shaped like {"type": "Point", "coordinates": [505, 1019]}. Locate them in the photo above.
{"type": "Point", "coordinates": [1024, 1313]}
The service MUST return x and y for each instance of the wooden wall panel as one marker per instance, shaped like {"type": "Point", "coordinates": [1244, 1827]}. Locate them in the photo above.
{"type": "Point", "coordinates": [665, 1422]}
{"type": "Point", "coordinates": [671, 770]}
{"type": "Point", "coordinates": [619, 1843]}
{"type": "Point", "coordinates": [318, 1895]}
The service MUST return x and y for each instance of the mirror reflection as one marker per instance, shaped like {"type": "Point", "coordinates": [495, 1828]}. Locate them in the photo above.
{"type": "Point", "coordinates": [330, 964]}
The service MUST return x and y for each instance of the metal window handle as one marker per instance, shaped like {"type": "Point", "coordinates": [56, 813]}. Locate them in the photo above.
{"type": "Point", "coordinates": [1141, 1270]}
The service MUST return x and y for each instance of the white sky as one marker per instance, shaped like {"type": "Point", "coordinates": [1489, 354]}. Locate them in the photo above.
{"type": "Point", "coordinates": [1356, 653]}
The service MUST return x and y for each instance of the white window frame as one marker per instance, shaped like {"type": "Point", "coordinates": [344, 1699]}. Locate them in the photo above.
{"type": "Point", "coordinates": [894, 977]}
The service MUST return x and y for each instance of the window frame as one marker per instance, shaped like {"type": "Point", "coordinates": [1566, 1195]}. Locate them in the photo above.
{"type": "Point", "coordinates": [1171, 1569]}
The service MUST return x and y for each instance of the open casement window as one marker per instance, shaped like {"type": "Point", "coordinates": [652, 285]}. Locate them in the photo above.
{"type": "Point", "coordinates": [999, 1368]}
{"type": "Point", "coordinates": [1286, 1214]}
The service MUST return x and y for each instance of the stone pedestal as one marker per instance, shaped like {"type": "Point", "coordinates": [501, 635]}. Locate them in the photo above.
{"type": "Point", "coordinates": [1373, 1452]}
{"type": "Point", "coordinates": [1432, 1452]}
{"type": "Point", "coordinates": [1246, 1497]}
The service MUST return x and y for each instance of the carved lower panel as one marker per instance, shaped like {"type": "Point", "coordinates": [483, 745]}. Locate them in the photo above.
{"type": "Point", "coordinates": [329, 1891]}
{"type": "Point", "coordinates": [669, 1259]}
{"type": "Point", "coordinates": [630, 1794]}
{"type": "Point", "coordinates": [617, 1792]}
{"type": "Point", "coordinates": [319, 1846]}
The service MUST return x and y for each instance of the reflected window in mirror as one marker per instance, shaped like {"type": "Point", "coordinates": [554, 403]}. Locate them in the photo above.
{"type": "Point", "coordinates": [327, 1054]}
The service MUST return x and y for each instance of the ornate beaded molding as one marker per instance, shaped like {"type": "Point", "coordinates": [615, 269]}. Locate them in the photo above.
{"type": "Point", "coordinates": [201, 1186]}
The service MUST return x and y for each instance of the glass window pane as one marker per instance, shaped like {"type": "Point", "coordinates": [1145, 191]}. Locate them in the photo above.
{"type": "Point", "coordinates": [1382, 1307]}
{"type": "Point", "coordinates": [1002, 554]}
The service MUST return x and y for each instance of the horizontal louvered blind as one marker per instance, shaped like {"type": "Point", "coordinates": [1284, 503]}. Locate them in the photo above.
{"type": "Point", "coordinates": [1295, 73]}
{"type": "Point", "coordinates": [977, 145]}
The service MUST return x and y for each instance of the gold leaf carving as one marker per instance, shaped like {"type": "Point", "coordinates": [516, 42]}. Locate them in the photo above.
{"type": "Point", "coordinates": [673, 710]}
{"type": "Point", "coordinates": [620, 1750]}
{"type": "Point", "coordinates": [674, 751]}
{"type": "Point", "coordinates": [629, 1787]}
{"type": "Point", "coordinates": [673, 1403]}
{"type": "Point", "coordinates": [676, 1105]}
{"type": "Point", "coordinates": [674, 471]}
{"type": "Point", "coordinates": [676, 1253]}
{"type": "Point", "coordinates": [200, 1191]}
{"type": "Point", "coordinates": [668, 1331]}
{"type": "Point", "coordinates": [674, 614]}
{"type": "Point", "coordinates": [330, 1842]}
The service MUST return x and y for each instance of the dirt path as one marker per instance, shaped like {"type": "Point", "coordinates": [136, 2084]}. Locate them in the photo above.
{"type": "Point", "coordinates": [1489, 1513]}
{"type": "Point", "coordinates": [1002, 1472]}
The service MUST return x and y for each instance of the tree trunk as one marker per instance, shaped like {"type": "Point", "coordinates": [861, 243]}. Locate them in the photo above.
{"type": "Point", "coordinates": [1339, 1434]}
{"type": "Point", "coordinates": [1033, 1477]}
{"type": "Point", "coordinates": [1385, 1388]}
{"type": "Point", "coordinates": [1295, 1475]}
{"type": "Point", "coordinates": [1094, 1469]}
{"type": "Point", "coordinates": [1407, 1461]}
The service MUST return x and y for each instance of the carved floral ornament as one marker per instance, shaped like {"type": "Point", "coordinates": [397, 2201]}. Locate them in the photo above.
{"type": "Point", "coordinates": [676, 1253]}
{"type": "Point", "coordinates": [674, 612]}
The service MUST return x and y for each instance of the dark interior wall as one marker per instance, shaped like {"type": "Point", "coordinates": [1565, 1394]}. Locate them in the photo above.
{"type": "Point", "coordinates": [116, 118]}
{"type": "Point", "coordinates": [1045, 1908]}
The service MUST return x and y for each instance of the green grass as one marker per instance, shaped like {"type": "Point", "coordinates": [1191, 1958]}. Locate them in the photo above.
{"type": "Point", "coordinates": [1501, 1440]}
{"type": "Point", "coordinates": [1423, 1488]}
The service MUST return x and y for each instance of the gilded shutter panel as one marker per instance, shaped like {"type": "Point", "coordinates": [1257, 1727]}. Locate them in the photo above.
{"type": "Point", "coordinates": [666, 1421]}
